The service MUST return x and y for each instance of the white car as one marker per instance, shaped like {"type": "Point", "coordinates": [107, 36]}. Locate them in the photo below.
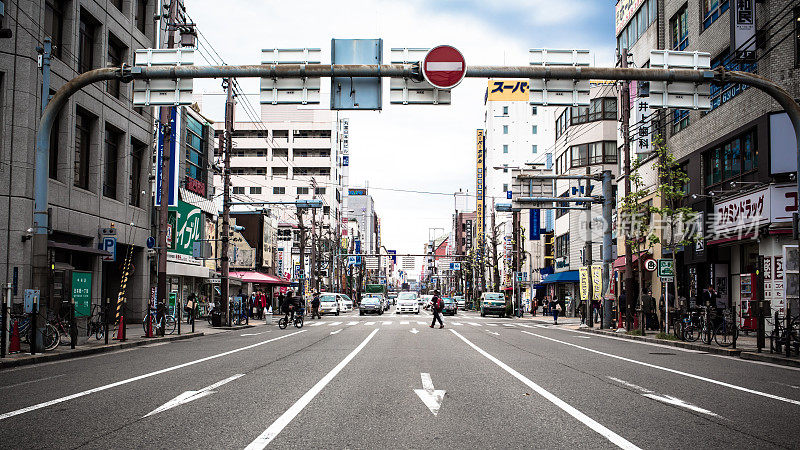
{"type": "Point", "coordinates": [460, 302]}
{"type": "Point", "coordinates": [328, 304]}
{"type": "Point", "coordinates": [345, 304]}
{"type": "Point", "coordinates": [407, 302]}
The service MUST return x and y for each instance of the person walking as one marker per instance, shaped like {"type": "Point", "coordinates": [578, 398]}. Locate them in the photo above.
{"type": "Point", "coordinates": [555, 307]}
{"type": "Point", "coordinates": [315, 306]}
{"type": "Point", "coordinates": [437, 305]}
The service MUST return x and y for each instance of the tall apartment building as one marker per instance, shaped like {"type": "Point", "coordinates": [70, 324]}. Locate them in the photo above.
{"type": "Point", "coordinates": [99, 154]}
{"type": "Point", "coordinates": [585, 143]}
{"type": "Point", "coordinates": [741, 151]}
{"type": "Point", "coordinates": [291, 154]}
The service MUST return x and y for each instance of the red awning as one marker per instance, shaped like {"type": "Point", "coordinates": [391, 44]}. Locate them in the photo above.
{"type": "Point", "coordinates": [620, 262]}
{"type": "Point", "coordinates": [258, 278]}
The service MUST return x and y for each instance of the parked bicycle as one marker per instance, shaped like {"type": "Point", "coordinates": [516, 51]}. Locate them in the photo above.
{"type": "Point", "coordinates": [169, 322]}
{"type": "Point", "coordinates": [96, 326]}
{"type": "Point", "coordinates": [781, 335]}
{"type": "Point", "coordinates": [728, 330]}
{"type": "Point", "coordinates": [23, 321]}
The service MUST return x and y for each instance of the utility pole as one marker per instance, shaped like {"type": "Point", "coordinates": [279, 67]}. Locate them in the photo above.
{"type": "Point", "coordinates": [626, 113]}
{"type": "Point", "coordinates": [588, 251]}
{"type": "Point", "coordinates": [608, 206]}
{"type": "Point", "coordinates": [226, 200]}
{"type": "Point", "coordinates": [515, 235]}
{"type": "Point", "coordinates": [300, 212]}
{"type": "Point", "coordinates": [313, 268]}
{"type": "Point", "coordinates": [165, 116]}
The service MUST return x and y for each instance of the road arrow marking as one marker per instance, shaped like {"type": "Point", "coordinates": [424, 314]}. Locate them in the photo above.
{"type": "Point", "coordinates": [668, 399]}
{"type": "Point", "coordinates": [190, 396]}
{"type": "Point", "coordinates": [334, 332]}
{"type": "Point", "coordinates": [493, 332]}
{"type": "Point", "coordinates": [430, 397]}
{"type": "Point", "coordinates": [414, 330]}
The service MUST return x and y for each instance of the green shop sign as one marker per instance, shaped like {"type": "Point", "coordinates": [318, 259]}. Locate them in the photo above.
{"type": "Point", "coordinates": [82, 293]}
{"type": "Point", "coordinates": [186, 222]}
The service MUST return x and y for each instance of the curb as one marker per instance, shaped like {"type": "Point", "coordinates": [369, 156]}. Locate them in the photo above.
{"type": "Point", "coordinates": [766, 357]}
{"type": "Point", "coordinates": [235, 327]}
{"type": "Point", "coordinates": [680, 344]}
{"type": "Point", "coordinates": [91, 351]}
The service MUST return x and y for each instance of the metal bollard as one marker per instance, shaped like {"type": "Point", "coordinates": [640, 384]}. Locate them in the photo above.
{"type": "Point", "coordinates": [73, 326]}
{"type": "Point", "coordinates": [105, 319]}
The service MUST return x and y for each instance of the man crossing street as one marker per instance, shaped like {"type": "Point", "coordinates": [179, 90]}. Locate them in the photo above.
{"type": "Point", "coordinates": [437, 305]}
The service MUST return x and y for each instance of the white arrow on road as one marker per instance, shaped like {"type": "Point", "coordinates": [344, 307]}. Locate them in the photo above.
{"type": "Point", "coordinates": [334, 332]}
{"type": "Point", "coordinates": [430, 397]}
{"type": "Point", "coordinates": [414, 330]}
{"type": "Point", "coordinates": [190, 396]}
{"type": "Point", "coordinates": [492, 332]}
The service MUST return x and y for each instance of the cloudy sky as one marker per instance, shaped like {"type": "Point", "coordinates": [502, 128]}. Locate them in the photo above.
{"type": "Point", "coordinates": [420, 148]}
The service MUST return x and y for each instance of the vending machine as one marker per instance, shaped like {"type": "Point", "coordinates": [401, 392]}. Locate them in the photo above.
{"type": "Point", "coordinates": [749, 297]}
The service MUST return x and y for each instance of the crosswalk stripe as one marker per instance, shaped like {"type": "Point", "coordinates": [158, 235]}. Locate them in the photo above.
{"type": "Point", "coordinates": [354, 322]}
{"type": "Point", "coordinates": [421, 323]}
{"type": "Point", "coordinates": [474, 324]}
{"type": "Point", "coordinates": [369, 323]}
{"type": "Point", "coordinates": [526, 326]}
{"type": "Point", "coordinates": [405, 322]}
{"type": "Point", "coordinates": [333, 324]}
{"type": "Point", "coordinates": [456, 323]}
{"type": "Point", "coordinates": [316, 324]}
{"type": "Point", "coordinates": [491, 324]}
{"type": "Point", "coordinates": [387, 322]}
{"type": "Point", "coordinates": [508, 325]}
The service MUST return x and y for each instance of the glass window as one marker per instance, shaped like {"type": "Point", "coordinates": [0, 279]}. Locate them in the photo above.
{"type": "Point", "coordinates": [680, 29]}
{"type": "Point", "coordinates": [562, 246]}
{"type": "Point", "coordinates": [505, 148]}
{"type": "Point", "coordinates": [534, 129]}
{"type": "Point", "coordinates": [505, 129]}
{"type": "Point", "coordinates": [652, 6]}
{"type": "Point", "coordinates": [196, 150]}
{"type": "Point", "coordinates": [610, 108]}
{"type": "Point", "coordinates": [116, 55]}
{"type": "Point", "coordinates": [137, 158]}
{"type": "Point", "coordinates": [54, 148]}
{"type": "Point", "coordinates": [255, 190]}
{"type": "Point", "coordinates": [750, 152]}
{"type": "Point", "coordinates": [641, 20]}
{"type": "Point", "coordinates": [278, 190]}
{"type": "Point", "coordinates": [86, 43]}
{"type": "Point", "coordinates": [534, 110]}
{"type": "Point", "coordinates": [711, 10]}
{"type": "Point", "coordinates": [505, 187]}
{"type": "Point", "coordinates": [534, 148]}
{"type": "Point", "coordinates": [302, 191]}
{"type": "Point", "coordinates": [505, 110]}
{"type": "Point", "coordinates": [83, 123]}
{"type": "Point", "coordinates": [238, 190]}
{"type": "Point", "coordinates": [110, 161]}
{"type": "Point", "coordinates": [54, 24]}
{"type": "Point", "coordinates": [140, 14]}
{"type": "Point", "coordinates": [680, 120]}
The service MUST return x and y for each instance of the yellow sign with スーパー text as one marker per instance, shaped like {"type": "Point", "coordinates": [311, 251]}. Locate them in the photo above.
{"type": "Point", "coordinates": [508, 90]}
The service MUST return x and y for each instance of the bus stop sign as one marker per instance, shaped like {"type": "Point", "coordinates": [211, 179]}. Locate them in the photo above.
{"type": "Point", "coordinates": [444, 67]}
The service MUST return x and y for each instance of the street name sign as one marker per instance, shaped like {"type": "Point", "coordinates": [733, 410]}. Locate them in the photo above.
{"type": "Point", "coordinates": [444, 67]}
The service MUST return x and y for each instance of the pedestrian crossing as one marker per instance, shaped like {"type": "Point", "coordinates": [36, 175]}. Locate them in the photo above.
{"type": "Point", "coordinates": [388, 323]}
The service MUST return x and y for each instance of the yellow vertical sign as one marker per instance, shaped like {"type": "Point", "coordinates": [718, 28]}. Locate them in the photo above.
{"type": "Point", "coordinates": [479, 184]}
{"type": "Point", "coordinates": [597, 282]}
{"type": "Point", "coordinates": [584, 279]}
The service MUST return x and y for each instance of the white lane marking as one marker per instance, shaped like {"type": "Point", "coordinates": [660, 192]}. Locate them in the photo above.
{"type": "Point", "coordinates": [273, 430]}
{"type": "Point", "coordinates": [456, 323]}
{"type": "Point", "coordinates": [677, 372]}
{"type": "Point", "coordinates": [31, 381]}
{"type": "Point", "coordinates": [636, 341]}
{"type": "Point", "coordinates": [508, 325]}
{"type": "Point", "coordinates": [443, 66]}
{"type": "Point", "coordinates": [583, 418]}
{"type": "Point", "coordinates": [526, 326]}
{"type": "Point", "coordinates": [474, 324]}
{"type": "Point", "coordinates": [414, 330]}
{"type": "Point", "coordinates": [668, 399]}
{"type": "Point", "coordinates": [420, 323]}
{"type": "Point", "coordinates": [583, 337]}
{"type": "Point", "coordinates": [431, 397]}
{"type": "Point", "coordinates": [491, 324]}
{"type": "Point", "coordinates": [316, 324]}
{"type": "Point", "coordinates": [405, 322]}
{"type": "Point", "coordinates": [156, 344]}
{"type": "Point", "coordinates": [387, 322]}
{"type": "Point", "coordinates": [337, 331]}
{"type": "Point", "coordinates": [763, 363]}
{"type": "Point", "coordinates": [333, 324]}
{"type": "Point", "coordinates": [369, 323]}
{"type": "Point", "coordinates": [190, 396]}
{"type": "Point", "coordinates": [253, 334]}
{"type": "Point", "coordinates": [353, 322]}
{"type": "Point", "coordinates": [137, 378]}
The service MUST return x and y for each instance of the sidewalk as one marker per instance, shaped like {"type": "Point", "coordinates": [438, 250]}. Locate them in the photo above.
{"type": "Point", "coordinates": [135, 338]}
{"type": "Point", "coordinates": [746, 347]}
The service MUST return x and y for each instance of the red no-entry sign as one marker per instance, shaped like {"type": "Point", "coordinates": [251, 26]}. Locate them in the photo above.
{"type": "Point", "coordinates": [444, 67]}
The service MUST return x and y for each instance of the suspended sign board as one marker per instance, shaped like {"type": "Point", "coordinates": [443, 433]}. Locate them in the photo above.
{"type": "Point", "coordinates": [356, 92]}
{"type": "Point", "coordinates": [163, 92]}
{"type": "Point", "coordinates": [559, 92]}
{"type": "Point", "coordinates": [290, 91]}
{"type": "Point", "coordinates": [405, 91]}
{"type": "Point", "coordinates": [680, 95]}
{"type": "Point", "coordinates": [525, 184]}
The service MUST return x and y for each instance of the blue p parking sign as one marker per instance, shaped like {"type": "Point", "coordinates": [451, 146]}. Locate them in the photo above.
{"type": "Point", "coordinates": [110, 245]}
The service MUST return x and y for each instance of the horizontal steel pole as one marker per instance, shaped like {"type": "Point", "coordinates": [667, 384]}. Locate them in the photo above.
{"type": "Point", "coordinates": [559, 177]}
{"type": "Point", "coordinates": [301, 205]}
{"type": "Point", "coordinates": [556, 199]}
{"type": "Point", "coordinates": [277, 71]}
{"type": "Point", "coordinates": [591, 73]}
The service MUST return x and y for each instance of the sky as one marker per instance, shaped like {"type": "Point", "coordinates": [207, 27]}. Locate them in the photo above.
{"type": "Point", "coordinates": [422, 148]}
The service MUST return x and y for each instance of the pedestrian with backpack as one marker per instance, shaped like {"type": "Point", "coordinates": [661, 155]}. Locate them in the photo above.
{"type": "Point", "coordinates": [437, 305]}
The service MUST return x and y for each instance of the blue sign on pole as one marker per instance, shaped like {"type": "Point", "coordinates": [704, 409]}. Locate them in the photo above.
{"type": "Point", "coordinates": [345, 160]}
{"type": "Point", "coordinates": [508, 195]}
{"type": "Point", "coordinates": [174, 125]}
{"type": "Point", "coordinates": [393, 254]}
{"type": "Point", "coordinates": [536, 224]}
{"type": "Point", "coordinates": [359, 92]}
{"type": "Point", "coordinates": [358, 246]}
{"type": "Point", "coordinates": [110, 245]}
{"type": "Point", "coordinates": [151, 242]}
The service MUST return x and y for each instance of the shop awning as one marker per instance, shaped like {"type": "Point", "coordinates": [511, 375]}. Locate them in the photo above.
{"type": "Point", "coordinates": [570, 276]}
{"type": "Point", "coordinates": [620, 262]}
{"type": "Point", "coordinates": [258, 278]}
{"type": "Point", "coordinates": [187, 270]}
{"type": "Point", "coordinates": [77, 248]}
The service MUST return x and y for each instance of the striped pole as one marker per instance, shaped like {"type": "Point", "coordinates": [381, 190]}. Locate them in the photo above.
{"type": "Point", "coordinates": [121, 297]}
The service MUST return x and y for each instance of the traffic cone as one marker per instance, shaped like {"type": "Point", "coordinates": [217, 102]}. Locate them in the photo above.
{"type": "Point", "coordinates": [149, 329]}
{"type": "Point", "coordinates": [121, 329]}
{"type": "Point", "coordinates": [14, 344]}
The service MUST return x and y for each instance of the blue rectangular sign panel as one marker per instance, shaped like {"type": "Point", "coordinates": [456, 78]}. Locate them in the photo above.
{"type": "Point", "coordinates": [357, 244]}
{"type": "Point", "coordinates": [536, 224]}
{"type": "Point", "coordinates": [174, 125]}
{"type": "Point", "coordinates": [345, 160]}
{"type": "Point", "coordinates": [356, 93]}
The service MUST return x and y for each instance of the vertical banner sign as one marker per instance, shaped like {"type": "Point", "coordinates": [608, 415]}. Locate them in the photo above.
{"type": "Point", "coordinates": [536, 224]}
{"type": "Point", "coordinates": [174, 160]}
{"type": "Point", "coordinates": [479, 185]}
{"type": "Point", "coordinates": [584, 279]}
{"type": "Point", "coordinates": [743, 29]}
{"type": "Point", "coordinates": [82, 293]}
{"type": "Point", "coordinates": [597, 282]}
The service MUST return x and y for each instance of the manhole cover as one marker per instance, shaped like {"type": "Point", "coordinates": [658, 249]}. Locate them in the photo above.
{"type": "Point", "coordinates": [662, 353]}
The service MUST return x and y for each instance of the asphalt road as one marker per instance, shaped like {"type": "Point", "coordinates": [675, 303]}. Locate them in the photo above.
{"type": "Point", "coordinates": [390, 381]}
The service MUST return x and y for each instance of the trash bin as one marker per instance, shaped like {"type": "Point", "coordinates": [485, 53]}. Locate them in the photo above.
{"type": "Point", "coordinates": [216, 319]}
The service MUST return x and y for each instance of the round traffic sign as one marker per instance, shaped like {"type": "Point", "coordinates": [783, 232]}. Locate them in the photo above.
{"type": "Point", "coordinates": [444, 67]}
{"type": "Point", "coordinates": [151, 242]}
{"type": "Point", "coordinates": [650, 265]}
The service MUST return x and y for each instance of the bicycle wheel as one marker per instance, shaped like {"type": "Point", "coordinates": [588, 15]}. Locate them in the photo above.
{"type": "Point", "coordinates": [99, 332]}
{"type": "Point", "coordinates": [725, 334]}
{"type": "Point", "coordinates": [677, 329]}
{"type": "Point", "coordinates": [298, 322]}
{"type": "Point", "coordinates": [171, 323]}
{"type": "Point", "coordinates": [283, 323]}
{"type": "Point", "coordinates": [690, 333]}
{"type": "Point", "coordinates": [64, 335]}
{"type": "Point", "coordinates": [152, 320]}
{"type": "Point", "coordinates": [51, 338]}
